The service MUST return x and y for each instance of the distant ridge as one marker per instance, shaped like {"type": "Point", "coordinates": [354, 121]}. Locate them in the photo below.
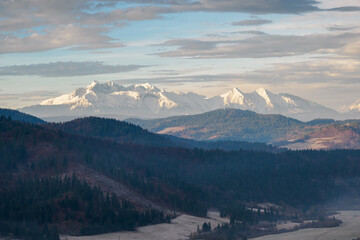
{"type": "Point", "coordinates": [225, 124]}
{"type": "Point", "coordinates": [124, 132]}
{"type": "Point", "coordinates": [19, 116]}
{"type": "Point", "coordinates": [245, 125]}
{"type": "Point", "coordinates": [147, 101]}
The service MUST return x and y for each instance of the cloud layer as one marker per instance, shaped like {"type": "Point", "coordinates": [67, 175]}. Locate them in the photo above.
{"type": "Point", "coordinates": [65, 69]}
{"type": "Point", "coordinates": [251, 22]}
{"type": "Point", "coordinates": [260, 46]}
{"type": "Point", "coordinates": [37, 25]}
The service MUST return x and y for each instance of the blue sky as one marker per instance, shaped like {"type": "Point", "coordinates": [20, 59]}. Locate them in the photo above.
{"type": "Point", "coordinates": [304, 47]}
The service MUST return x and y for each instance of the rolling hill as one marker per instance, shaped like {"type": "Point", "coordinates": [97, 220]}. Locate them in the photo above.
{"type": "Point", "coordinates": [19, 116]}
{"type": "Point", "coordinates": [124, 132]}
{"type": "Point", "coordinates": [239, 125]}
{"type": "Point", "coordinates": [225, 124]}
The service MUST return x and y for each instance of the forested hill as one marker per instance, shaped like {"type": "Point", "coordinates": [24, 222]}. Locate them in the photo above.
{"type": "Point", "coordinates": [19, 116]}
{"type": "Point", "coordinates": [112, 129]}
{"type": "Point", "coordinates": [125, 132]}
{"type": "Point", "coordinates": [176, 178]}
{"type": "Point", "coordinates": [239, 125]}
{"type": "Point", "coordinates": [225, 124]}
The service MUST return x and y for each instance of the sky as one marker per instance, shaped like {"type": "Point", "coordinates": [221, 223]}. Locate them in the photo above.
{"type": "Point", "coordinates": [309, 48]}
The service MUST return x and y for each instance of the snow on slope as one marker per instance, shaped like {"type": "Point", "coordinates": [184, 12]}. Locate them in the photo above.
{"type": "Point", "coordinates": [111, 99]}
{"type": "Point", "coordinates": [266, 102]}
{"type": "Point", "coordinates": [355, 106]}
{"type": "Point", "coordinates": [354, 109]}
{"type": "Point", "coordinates": [147, 101]}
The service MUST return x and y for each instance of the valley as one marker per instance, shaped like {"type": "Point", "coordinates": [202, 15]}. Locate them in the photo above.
{"type": "Point", "coordinates": [348, 230]}
{"type": "Point", "coordinates": [180, 228]}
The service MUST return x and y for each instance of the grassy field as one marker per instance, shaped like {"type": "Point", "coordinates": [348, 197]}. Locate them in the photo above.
{"type": "Point", "coordinates": [179, 228]}
{"type": "Point", "coordinates": [349, 229]}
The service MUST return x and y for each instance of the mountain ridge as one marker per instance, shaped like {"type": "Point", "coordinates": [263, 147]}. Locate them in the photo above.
{"type": "Point", "coordinates": [223, 124]}
{"type": "Point", "coordinates": [125, 132]}
{"type": "Point", "coordinates": [245, 125]}
{"type": "Point", "coordinates": [148, 101]}
{"type": "Point", "coordinates": [19, 116]}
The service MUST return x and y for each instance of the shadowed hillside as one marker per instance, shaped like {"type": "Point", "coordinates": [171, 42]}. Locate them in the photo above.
{"type": "Point", "coordinates": [19, 116]}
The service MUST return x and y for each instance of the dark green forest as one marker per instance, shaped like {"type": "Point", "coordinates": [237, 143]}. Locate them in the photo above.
{"type": "Point", "coordinates": [19, 116]}
{"type": "Point", "coordinates": [33, 157]}
{"type": "Point", "coordinates": [31, 204]}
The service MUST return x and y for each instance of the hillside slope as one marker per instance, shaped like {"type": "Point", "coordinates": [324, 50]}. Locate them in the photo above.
{"type": "Point", "coordinates": [19, 116]}
{"type": "Point", "coordinates": [124, 132]}
{"type": "Point", "coordinates": [239, 125]}
{"type": "Point", "coordinates": [34, 157]}
{"type": "Point", "coordinates": [332, 136]}
{"type": "Point", "coordinates": [225, 124]}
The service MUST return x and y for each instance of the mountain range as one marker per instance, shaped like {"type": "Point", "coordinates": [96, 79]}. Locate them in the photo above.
{"type": "Point", "coordinates": [224, 129]}
{"type": "Point", "coordinates": [146, 101]}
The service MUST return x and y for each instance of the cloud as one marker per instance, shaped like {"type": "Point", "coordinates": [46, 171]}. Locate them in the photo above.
{"type": "Point", "coordinates": [252, 22]}
{"type": "Point", "coordinates": [254, 7]}
{"type": "Point", "coordinates": [336, 28]}
{"type": "Point", "coordinates": [259, 46]}
{"type": "Point", "coordinates": [345, 9]}
{"type": "Point", "coordinates": [65, 69]}
{"type": "Point", "coordinates": [336, 71]}
{"type": "Point", "coordinates": [33, 25]}
{"type": "Point", "coordinates": [245, 6]}
{"type": "Point", "coordinates": [351, 49]}
{"type": "Point", "coordinates": [27, 14]}
{"type": "Point", "coordinates": [40, 25]}
{"type": "Point", "coordinates": [59, 37]}
{"type": "Point", "coordinates": [29, 96]}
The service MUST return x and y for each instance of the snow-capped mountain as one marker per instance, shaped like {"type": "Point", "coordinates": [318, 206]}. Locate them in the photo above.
{"type": "Point", "coordinates": [354, 109]}
{"type": "Point", "coordinates": [112, 100]}
{"type": "Point", "coordinates": [355, 106]}
{"type": "Point", "coordinates": [264, 101]}
{"type": "Point", "coordinates": [147, 101]}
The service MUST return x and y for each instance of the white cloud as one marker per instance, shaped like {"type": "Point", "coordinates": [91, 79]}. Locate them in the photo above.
{"type": "Point", "coordinates": [259, 46]}
{"type": "Point", "coordinates": [58, 37]}
{"type": "Point", "coordinates": [251, 22]}
{"type": "Point", "coordinates": [65, 69]}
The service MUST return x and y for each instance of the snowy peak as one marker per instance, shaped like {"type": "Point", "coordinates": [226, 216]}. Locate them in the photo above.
{"type": "Point", "coordinates": [104, 88]}
{"type": "Point", "coordinates": [235, 96]}
{"type": "Point", "coordinates": [92, 85]}
{"type": "Point", "coordinates": [264, 101]}
{"type": "Point", "coordinates": [146, 87]}
{"type": "Point", "coordinates": [110, 98]}
{"type": "Point", "coordinates": [355, 107]}
{"type": "Point", "coordinates": [262, 92]}
{"type": "Point", "coordinates": [148, 101]}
